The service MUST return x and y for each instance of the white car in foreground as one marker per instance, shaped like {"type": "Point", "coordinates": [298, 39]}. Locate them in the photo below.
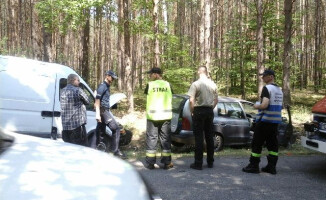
{"type": "Point", "coordinates": [36, 168]}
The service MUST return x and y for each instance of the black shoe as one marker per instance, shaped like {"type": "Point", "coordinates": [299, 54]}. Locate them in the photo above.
{"type": "Point", "coordinates": [251, 169]}
{"type": "Point", "coordinates": [197, 167]}
{"type": "Point", "coordinates": [168, 166]}
{"type": "Point", "coordinates": [210, 165]}
{"type": "Point", "coordinates": [149, 166]}
{"type": "Point", "coordinates": [269, 169]}
{"type": "Point", "coordinates": [120, 155]}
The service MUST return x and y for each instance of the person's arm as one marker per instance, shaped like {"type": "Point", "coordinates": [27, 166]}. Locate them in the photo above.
{"type": "Point", "coordinates": [192, 100]}
{"type": "Point", "coordinates": [191, 103]}
{"type": "Point", "coordinates": [99, 92]}
{"type": "Point", "coordinates": [97, 110]}
{"type": "Point", "coordinates": [265, 100]}
{"type": "Point", "coordinates": [263, 105]}
{"type": "Point", "coordinates": [215, 101]}
{"type": "Point", "coordinates": [83, 97]}
{"type": "Point", "coordinates": [146, 89]}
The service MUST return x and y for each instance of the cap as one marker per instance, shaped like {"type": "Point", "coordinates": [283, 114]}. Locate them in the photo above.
{"type": "Point", "coordinates": [267, 72]}
{"type": "Point", "coordinates": [112, 74]}
{"type": "Point", "coordinates": [155, 70]}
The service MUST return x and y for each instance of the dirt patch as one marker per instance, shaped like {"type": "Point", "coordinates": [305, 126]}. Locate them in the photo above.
{"type": "Point", "coordinates": [136, 123]}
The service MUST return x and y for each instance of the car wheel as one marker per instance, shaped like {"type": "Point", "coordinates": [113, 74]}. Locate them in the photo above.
{"type": "Point", "coordinates": [177, 144]}
{"type": "Point", "coordinates": [218, 142]}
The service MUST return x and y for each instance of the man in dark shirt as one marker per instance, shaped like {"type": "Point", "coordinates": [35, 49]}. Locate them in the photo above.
{"type": "Point", "coordinates": [104, 117]}
{"type": "Point", "coordinates": [73, 115]}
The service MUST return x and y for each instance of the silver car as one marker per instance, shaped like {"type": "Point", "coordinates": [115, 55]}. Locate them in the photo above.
{"type": "Point", "coordinates": [233, 123]}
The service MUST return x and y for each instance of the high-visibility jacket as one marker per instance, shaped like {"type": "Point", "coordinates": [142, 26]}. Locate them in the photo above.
{"type": "Point", "coordinates": [159, 101]}
{"type": "Point", "coordinates": [273, 113]}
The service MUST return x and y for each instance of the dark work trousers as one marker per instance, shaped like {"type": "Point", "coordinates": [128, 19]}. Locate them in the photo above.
{"type": "Point", "coordinates": [76, 136]}
{"type": "Point", "coordinates": [158, 130]}
{"type": "Point", "coordinates": [265, 132]}
{"type": "Point", "coordinates": [108, 120]}
{"type": "Point", "coordinates": [202, 120]}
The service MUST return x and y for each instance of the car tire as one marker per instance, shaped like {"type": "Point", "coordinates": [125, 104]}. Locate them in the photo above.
{"type": "Point", "coordinates": [218, 142]}
{"type": "Point", "coordinates": [177, 144]}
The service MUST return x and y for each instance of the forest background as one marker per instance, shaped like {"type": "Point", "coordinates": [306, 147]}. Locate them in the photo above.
{"type": "Point", "coordinates": [235, 39]}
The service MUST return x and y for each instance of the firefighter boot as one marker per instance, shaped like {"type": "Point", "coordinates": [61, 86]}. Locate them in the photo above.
{"type": "Point", "coordinates": [253, 166]}
{"type": "Point", "coordinates": [271, 166]}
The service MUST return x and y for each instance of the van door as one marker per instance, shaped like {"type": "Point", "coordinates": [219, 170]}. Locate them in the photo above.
{"type": "Point", "coordinates": [27, 99]}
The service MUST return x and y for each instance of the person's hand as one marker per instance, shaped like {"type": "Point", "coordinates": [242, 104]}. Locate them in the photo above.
{"type": "Point", "coordinates": [98, 118]}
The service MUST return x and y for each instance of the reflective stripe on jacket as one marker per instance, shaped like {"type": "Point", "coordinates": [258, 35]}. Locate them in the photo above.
{"type": "Point", "coordinates": [159, 100]}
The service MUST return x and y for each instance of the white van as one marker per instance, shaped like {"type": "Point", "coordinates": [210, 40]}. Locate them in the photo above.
{"type": "Point", "coordinates": [30, 94]}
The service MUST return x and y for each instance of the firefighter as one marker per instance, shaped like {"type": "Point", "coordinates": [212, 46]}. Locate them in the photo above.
{"type": "Point", "coordinates": [268, 118]}
{"type": "Point", "coordinates": [159, 115]}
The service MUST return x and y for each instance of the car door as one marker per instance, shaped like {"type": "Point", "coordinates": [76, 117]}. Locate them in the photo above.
{"type": "Point", "coordinates": [178, 103]}
{"type": "Point", "coordinates": [232, 123]}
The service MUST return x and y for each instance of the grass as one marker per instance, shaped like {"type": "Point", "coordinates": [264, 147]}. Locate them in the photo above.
{"type": "Point", "coordinates": [302, 102]}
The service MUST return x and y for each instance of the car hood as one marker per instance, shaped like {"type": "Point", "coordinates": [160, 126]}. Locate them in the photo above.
{"type": "Point", "coordinates": [36, 168]}
{"type": "Point", "coordinates": [115, 98]}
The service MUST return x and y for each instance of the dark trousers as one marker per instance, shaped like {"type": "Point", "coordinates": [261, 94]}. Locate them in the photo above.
{"type": "Point", "coordinates": [265, 132]}
{"type": "Point", "coordinates": [203, 125]}
{"type": "Point", "coordinates": [113, 140]}
{"type": "Point", "coordinates": [158, 130]}
{"type": "Point", "coordinates": [76, 136]}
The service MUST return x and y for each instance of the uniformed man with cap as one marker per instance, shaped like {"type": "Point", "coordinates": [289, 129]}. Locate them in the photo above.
{"type": "Point", "coordinates": [159, 115]}
{"type": "Point", "coordinates": [103, 115]}
{"type": "Point", "coordinates": [267, 120]}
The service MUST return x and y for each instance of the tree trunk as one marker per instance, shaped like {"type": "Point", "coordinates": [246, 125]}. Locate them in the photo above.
{"type": "Point", "coordinates": [85, 59]}
{"type": "Point", "coordinates": [156, 62]}
{"type": "Point", "coordinates": [317, 47]}
{"type": "Point", "coordinates": [260, 45]}
{"type": "Point", "coordinates": [287, 51]}
{"type": "Point", "coordinates": [128, 66]}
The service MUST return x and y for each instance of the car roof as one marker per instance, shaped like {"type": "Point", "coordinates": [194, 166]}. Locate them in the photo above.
{"type": "Point", "coordinates": [220, 98]}
{"type": "Point", "coordinates": [37, 168]}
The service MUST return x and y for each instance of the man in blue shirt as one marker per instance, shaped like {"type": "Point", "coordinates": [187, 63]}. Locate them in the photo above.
{"type": "Point", "coordinates": [104, 117]}
{"type": "Point", "coordinates": [73, 112]}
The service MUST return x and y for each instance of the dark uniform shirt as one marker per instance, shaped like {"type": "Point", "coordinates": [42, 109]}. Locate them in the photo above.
{"type": "Point", "coordinates": [103, 94]}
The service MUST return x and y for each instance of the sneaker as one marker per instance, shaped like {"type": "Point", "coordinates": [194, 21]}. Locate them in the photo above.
{"type": "Point", "coordinates": [210, 165]}
{"type": "Point", "coordinates": [251, 169]}
{"type": "Point", "coordinates": [197, 167]}
{"type": "Point", "coordinates": [168, 166]}
{"type": "Point", "coordinates": [269, 169]}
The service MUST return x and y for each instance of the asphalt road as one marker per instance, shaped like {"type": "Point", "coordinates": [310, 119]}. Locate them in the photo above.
{"type": "Point", "coordinates": [298, 177]}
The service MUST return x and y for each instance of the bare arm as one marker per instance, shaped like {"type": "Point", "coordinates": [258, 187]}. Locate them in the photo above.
{"type": "Point", "coordinates": [263, 105]}
{"type": "Point", "coordinates": [191, 104]}
{"type": "Point", "coordinates": [97, 110]}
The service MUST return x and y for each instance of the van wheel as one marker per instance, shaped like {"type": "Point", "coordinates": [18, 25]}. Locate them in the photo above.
{"type": "Point", "coordinates": [218, 142]}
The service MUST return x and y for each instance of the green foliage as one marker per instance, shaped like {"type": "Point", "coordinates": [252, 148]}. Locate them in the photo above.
{"type": "Point", "coordinates": [64, 15]}
{"type": "Point", "coordinates": [3, 48]}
